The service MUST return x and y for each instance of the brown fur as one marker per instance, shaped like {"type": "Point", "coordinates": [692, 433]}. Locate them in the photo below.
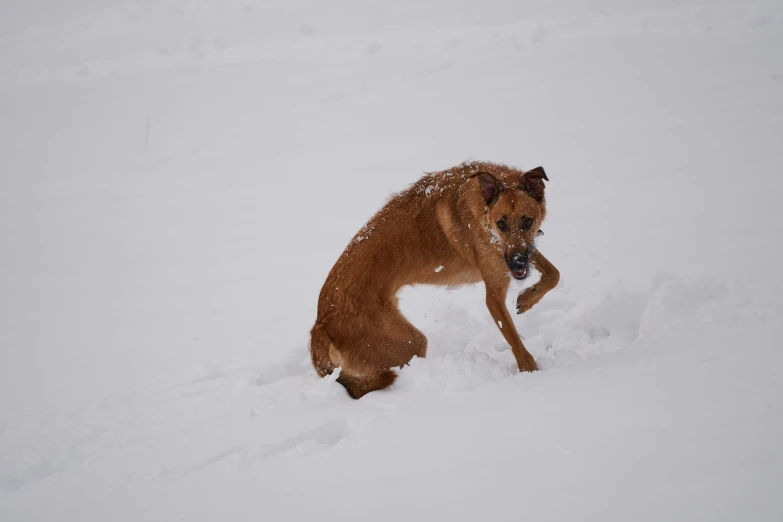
{"type": "Point", "coordinates": [445, 219]}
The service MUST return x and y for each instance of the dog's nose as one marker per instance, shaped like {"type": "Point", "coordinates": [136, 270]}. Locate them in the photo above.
{"type": "Point", "coordinates": [518, 261]}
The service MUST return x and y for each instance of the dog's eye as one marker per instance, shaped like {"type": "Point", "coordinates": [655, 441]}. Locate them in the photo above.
{"type": "Point", "coordinates": [527, 222]}
{"type": "Point", "coordinates": [502, 225]}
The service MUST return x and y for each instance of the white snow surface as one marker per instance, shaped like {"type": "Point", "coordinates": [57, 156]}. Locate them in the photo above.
{"type": "Point", "coordinates": [178, 177]}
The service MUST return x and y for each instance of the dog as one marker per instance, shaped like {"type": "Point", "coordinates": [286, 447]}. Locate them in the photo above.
{"type": "Point", "coordinates": [473, 222]}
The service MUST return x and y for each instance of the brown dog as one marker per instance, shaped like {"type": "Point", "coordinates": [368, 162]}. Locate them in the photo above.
{"type": "Point", "coordinates": [474, 222]}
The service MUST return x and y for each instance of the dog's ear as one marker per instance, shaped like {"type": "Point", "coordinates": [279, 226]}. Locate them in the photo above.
{"type": "Point", "coordinates": [490, 187]}
{"type": "Point", "coordinates": [533, 183]}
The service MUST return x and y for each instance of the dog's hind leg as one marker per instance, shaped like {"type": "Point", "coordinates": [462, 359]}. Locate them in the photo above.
{"type": "Point", "coordinates": [326, 356]}
{"type": "Point", "coordinates": [367, 362]}
{"type": "Point", "coordinates": [358, 386]}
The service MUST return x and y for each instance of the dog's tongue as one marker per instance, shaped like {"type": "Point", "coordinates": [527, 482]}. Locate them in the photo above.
{"type": "Point", "coordinates": [520, 274]}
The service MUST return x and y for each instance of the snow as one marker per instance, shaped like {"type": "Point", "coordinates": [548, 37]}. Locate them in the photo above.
{"type": "Point", "coordinates": [177, 178]}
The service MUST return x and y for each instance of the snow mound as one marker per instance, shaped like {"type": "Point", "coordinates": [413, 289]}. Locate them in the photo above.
{"type": "Point", "coordinates": [466, 351]}
{"type": "Point", "coordinates": [566, 327]}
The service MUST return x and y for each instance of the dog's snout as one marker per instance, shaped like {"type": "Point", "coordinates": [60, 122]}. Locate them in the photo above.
{"type": "Point", "coordinates": [517, 261]}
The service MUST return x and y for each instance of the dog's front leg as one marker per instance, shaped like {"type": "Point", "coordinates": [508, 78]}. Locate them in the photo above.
{"type": "Point", "coordinates": [550, 276]}
{"type": "Point", "coordinates": [496, 303]}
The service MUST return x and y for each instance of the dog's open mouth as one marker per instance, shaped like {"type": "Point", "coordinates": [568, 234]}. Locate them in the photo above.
{"type": "Point", "coordinates": [519, 274]}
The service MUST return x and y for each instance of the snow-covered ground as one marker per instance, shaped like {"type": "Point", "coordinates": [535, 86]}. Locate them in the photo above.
{"type": "Point", "coordinates": [178, 177]}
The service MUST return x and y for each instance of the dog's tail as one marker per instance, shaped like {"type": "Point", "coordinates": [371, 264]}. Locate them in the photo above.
{"type": "Point", "coordinates": [357, 386]}
{"type": "Point", "coordinates": [319, 351]}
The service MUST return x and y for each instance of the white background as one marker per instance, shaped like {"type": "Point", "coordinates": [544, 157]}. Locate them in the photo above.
{"type": "Point", "coordinates": [177, 178]}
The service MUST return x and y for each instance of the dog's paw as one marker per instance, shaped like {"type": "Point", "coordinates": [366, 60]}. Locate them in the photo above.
{"type": "Point", "coordinates": [528, 299]}
{"type": "Point", "coordinates": [528, 364]}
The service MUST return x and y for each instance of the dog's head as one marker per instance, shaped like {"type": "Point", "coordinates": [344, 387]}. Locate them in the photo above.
{"type": "Point", "coordinates": [515, 208]}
